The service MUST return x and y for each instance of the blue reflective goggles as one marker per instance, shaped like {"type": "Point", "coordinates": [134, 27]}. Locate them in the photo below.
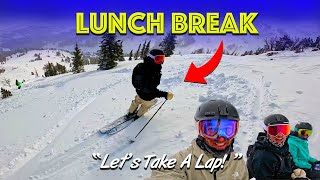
{"type": "Point", "coordinates": [218, 127]}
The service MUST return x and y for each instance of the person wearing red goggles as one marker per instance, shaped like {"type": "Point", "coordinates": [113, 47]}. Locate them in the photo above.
{"type": "Point", "coordinates": [269, 156]}
{"type": "Point", "coordinates": [146, 78]}
{"type": "Point", "coordinates": [278, 134]}
{"type": "Point", "coordinates": [217, 122]}
{"type": "Point", "coordinates": [158, 59]}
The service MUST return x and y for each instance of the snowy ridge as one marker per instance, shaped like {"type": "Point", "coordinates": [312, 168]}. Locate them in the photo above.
{"type": "Point", "coordinates": [49, 129]}
{"type": "Point", "coordinates": [19, 66]}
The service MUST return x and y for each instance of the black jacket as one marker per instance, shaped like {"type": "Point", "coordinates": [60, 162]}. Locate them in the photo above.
{"type": "Point", "coordinates": [145, 78]}
{"type": "Point", "coordinates": [270, 162]}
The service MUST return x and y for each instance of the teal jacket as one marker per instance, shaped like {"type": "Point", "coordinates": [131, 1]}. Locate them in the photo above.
{"type": "Point", "coordinates": [299, 151]}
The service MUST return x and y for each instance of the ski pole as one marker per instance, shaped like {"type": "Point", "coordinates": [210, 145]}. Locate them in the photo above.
{"type": "Point", "coordinates": [150, 119]}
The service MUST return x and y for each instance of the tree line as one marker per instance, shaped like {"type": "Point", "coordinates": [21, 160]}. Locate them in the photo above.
{"type": "Point", "coordinates": [111, 50]}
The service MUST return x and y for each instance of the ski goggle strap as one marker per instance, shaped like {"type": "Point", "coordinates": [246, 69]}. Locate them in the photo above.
{"type": "Point", "coordinates": [158, 59]}
{"type": "Point", "coordinates": [213, 128]}
{"type": "Point", "coordinates": [304, 132]}
{"type": "Point", "coordinates": [279, 128]}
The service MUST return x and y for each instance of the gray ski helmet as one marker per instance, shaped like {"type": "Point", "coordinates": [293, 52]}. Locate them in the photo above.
{"type": "Point", "coordinates": [216, 109]}
{"type": "Point", "coordinates": [303, 125]}
{"type": "Point", "coordinates": [275, 119]}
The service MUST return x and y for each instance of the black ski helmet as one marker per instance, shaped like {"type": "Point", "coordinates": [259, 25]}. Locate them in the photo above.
{"type": "Point", "coordinates": [275, 119]}
{"type": "Point", "coordinates": [303, 125]}
{"type": "Point", "coordinates": [216, 109]}
{"type": "Point", "coordinates": [154, 52]}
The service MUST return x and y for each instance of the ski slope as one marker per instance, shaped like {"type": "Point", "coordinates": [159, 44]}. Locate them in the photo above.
{"type": "Point", "coordinates": [19, 66]}
{"type": "Point", "coordinates": [49, 128]}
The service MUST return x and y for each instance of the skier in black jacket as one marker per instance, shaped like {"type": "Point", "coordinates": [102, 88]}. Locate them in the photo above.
{"type": "Point", "coordinates": [145, 78]}
{"type": "Point", "coordinates": [269, 157]}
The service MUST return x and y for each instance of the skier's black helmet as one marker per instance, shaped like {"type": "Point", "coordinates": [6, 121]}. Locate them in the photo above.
{"type": "Point", "coordinates": [275, 119]}
{"type": "Point", "coordinates": [216, 109]}
{"type": "Point", "coordinates": [303, 125]}
{"type": "Point", "coordinates": [149, 58]}
{"type": "Point", "coordinates": [156, 52]}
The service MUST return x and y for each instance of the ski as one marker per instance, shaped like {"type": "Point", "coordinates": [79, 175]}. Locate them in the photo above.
{"type": "Point", "coordinates": [113, 124]}
{"type": "Point", "coordinates": [120, 124]}
{"type": "Point", "coordinates": [120, 127]}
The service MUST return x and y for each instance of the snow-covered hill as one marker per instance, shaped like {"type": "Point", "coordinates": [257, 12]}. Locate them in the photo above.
{"type": "Point", "coordinates": [49, 129]}
{"type": "Point", "coordinates": [21, 65]}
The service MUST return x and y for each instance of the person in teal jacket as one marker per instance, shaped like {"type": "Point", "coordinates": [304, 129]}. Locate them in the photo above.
{"type": "Point", "coordinates": [299, 150]}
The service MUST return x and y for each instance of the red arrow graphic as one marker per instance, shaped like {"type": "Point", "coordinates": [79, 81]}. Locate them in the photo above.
{"type": "Point", "coordinates": [196, 75]}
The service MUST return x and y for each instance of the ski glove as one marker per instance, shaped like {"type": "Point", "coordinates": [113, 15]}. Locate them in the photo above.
{"type": "Point", "coordinates": [298, 173]}
{"type": "Point", "coordinates": [169, 96]}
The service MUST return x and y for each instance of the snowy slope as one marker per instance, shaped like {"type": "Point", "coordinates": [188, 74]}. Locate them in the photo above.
{"type": "Point", "coordinates": [19, 66]}
{"type": "Point", "coordinates": [49, 129]}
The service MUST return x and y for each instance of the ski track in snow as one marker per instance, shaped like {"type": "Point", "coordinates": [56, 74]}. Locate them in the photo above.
{"type": "Point", "coordinates": [221, 89]}
{"type": "Point", "coordinates": [64, 152]}
{"type": "Point", "coordinates": [77, 101]}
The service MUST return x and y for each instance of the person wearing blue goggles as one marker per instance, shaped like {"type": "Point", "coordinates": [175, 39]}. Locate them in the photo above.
{"type": "Point", "coordinates": [217, 123]}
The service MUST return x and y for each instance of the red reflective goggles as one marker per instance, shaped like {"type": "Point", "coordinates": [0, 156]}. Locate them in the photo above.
{"type": "Point", "coordinates": [279, 128]}
{"type": "Point", "coordinates": [158, 59]}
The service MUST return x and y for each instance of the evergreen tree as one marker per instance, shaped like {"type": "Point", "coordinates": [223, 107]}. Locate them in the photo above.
{"type": "Point", "coordinates": [142, 55]}
{"type": "Point", "coordinates": [168, 44]}
{"type": "Point", "coordinates": [119, 51]}
{"type": "Point", "coordinates": [52, 70]}
{"type": "Point", "coordinates": [107, 53]}
{"type": "Point", "coordinates": [55, 69]}
{"type": "Point", "coordinates": [61, 69]}
{"type": "Point", "coordinates": [49, 70]}
{"type": "Point", "coordinates": [147, 49]}
{"type": "Point", "coordinates": [77, 63]}
{"type": "Point", "coordinates": [5, 93]}
{"type": "Point", "coordinates": [317, 42]}
{"type": "Point", "coordinates": [46, 69]}
{"type": "Point", "coordinates": [130, 55]}
{"type": "Point", "coordinates": [136, 55]}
